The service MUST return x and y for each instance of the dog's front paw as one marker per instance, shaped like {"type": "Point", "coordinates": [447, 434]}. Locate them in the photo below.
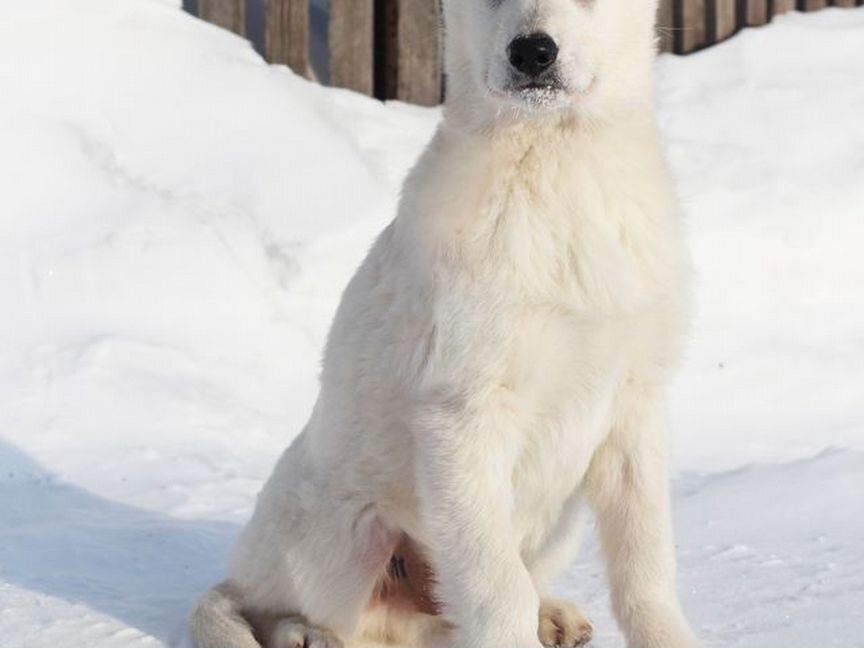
{"type": "Point", "coordinates": [296, 632]}
{"type": "Point", "coordinates": [563, 625]}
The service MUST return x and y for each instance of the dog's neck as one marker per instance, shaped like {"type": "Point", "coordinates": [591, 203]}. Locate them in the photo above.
{"type": "Point", "coordinates": [510, 195]}
{"type": "Point", "coordinates": [565, 135]}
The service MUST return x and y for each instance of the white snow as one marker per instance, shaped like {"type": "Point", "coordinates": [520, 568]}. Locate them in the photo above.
{"type": "Point", "coordinates": [177, 220]}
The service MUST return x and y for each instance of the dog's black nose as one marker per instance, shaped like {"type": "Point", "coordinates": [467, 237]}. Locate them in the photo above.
{"type": "Point", "coordinates": [533, 54]}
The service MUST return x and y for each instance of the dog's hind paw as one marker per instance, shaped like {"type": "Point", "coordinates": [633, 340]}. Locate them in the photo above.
{"type": "Point", "coordinates": [562, 625]}
{"type": "Point", "coordinates": [296, 632]}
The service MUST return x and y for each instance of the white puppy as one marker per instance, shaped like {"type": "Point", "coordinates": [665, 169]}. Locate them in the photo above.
{"type": "Point", "coordinates": [498, 362]}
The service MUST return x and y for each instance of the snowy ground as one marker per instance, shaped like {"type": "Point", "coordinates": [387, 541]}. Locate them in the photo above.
{"type": "Point", "coordinates": [178, 219]}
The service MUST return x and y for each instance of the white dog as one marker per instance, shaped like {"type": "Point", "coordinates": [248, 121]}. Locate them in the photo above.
{"type": "Point", "coordinates": [498, 362]}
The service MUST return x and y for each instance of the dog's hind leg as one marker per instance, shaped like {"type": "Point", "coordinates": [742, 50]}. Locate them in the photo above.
{"type": "Point", "coordinates": [221, 621]}
{"type": "Point", "coordinates": [401, 611]}
{"type": "Point", "coordinates": [293, 631]}
{"type": "Point", "coordinates": [307, 573]}
{"type": "Point", "coordinates": [218, 620]}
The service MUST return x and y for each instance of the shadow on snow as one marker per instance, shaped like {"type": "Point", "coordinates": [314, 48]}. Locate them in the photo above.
{"type": "Point", "coordinates": [145, 569]}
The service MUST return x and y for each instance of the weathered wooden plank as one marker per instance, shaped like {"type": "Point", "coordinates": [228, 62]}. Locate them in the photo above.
{"type": "Point", "coordinates": [756, 12]}
{"type": "Point", "coordinates": [352, 31]}
{"type": "Point", "coordinates": [387, 49]}
{"type": "Point", "coordinates": [815, 5]}
{"type": "Point", "coordinates": [419, 52]}
{"type": "Point", "coordinates": [666, 26]}
{"type": "Point", "coordinates": [725, 19]}
{"type": "Point", "coordinates": [230, 14]}
{"type": "Point", "coordinates": [286, 34]}
{"type": "Point", "coordinates": [694, 26]}
{"type": "Point", "coordinates": [844, 3]}
{"type": "Point", "coordinates": [783, 6]}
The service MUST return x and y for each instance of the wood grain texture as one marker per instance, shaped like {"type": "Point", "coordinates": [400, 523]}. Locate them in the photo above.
{"type": "Point", "coordinates": [230, 14]}
{"type": "Point", "coordinates": [666, 26]}
{"type": "Point", "coordinates": [286, 34]}
{"type": "Point", "coordinates": [844, 3]}
{"type": "Point", "coordinates": [694, 26]}
{"type": "Point", "coordinates": [783, 6]}
{"type": "Point", "coordinates": [386, 49]}
{"type": "Point", "coordinates": [419, 52]}
{"type": "Point", "coordinates": [725, 19]}
{"type": "Point", "coordinates": [815, 5]}
{"type": "Point", "coordinates": [352, 31]}
{"type": "Point", "coordinates": [756, 12]}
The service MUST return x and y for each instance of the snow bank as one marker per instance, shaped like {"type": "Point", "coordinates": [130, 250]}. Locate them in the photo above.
{"type": "Point", "coordinates": [766, 136]}
{"type": "Point", "coordinates": [178, 220]}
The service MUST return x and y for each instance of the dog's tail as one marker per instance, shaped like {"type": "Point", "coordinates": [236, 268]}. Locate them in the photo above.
{"type": "Point", "coordinates": [218, 621]}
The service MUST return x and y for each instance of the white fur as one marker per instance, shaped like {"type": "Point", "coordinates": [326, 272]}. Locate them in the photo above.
{"type": "Point", "coordinates": [499, 360]}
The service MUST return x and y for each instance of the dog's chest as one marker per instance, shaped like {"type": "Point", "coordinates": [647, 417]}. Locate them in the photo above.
{"type": "Point", "coordinates": [583, 233]}
{"type": "Point", "coordinates": [584, 275]}
{"type": "Point", "coordinates": [563, 371]}
{"type": "Point", "coordinates": [556, 281]}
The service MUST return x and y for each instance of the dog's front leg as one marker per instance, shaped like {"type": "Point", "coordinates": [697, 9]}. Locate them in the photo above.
{"type": "Point", "coordinates": [464, 463]}
{"type": "Point", "coordinates": [628, 486]}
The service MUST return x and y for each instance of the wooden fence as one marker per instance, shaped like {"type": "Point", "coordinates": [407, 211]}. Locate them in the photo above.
{"type": "Point", "coordinates": [390, 49]}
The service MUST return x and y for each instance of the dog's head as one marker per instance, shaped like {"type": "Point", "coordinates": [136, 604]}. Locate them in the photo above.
{"type": "Point", "coordinates": [523, 59]}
